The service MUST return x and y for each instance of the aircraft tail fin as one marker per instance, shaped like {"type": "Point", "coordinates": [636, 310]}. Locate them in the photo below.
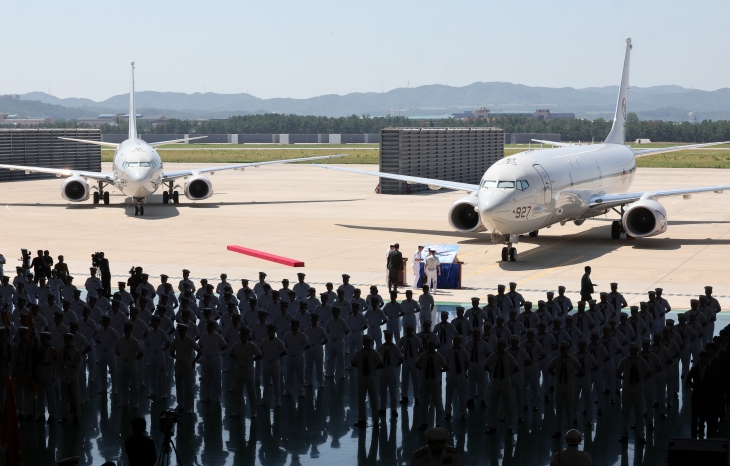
{"type": "Point", "coordinates": [132, 109]}
{"type": "Point", "coordinates": [618, 130]}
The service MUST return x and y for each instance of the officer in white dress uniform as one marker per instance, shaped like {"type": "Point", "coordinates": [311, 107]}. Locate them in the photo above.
{"type": "Point", "coordinates": [633, 370]}
{"type": "Point", "coordinates": [564, 368]}
{"type": "Point", "coordinates": [181, 350]}
{"type": "Point", "coordinates": [457, 358]}
{"type": "Point", "coordinates": [410, 347]}
{"type": "Point", "coordinates": [273, 350]}
{"type": "Point", "coordinates": [301, 288]}
{"type": "Point", "coordinates": [431, 364]}
{"type": "Point", "coordinates": [418, 259]}
{"type": "Point", "coordinates": [432, 270]}
{"type": "Point", "coordinates": [244, 353]}
{"type": "Point", "coordinates": [392, 359]}
{"type": "Point", "coordinates": [367, 361]}
{"type": "Point", "coordinates": [314, 356]}
{"type": "Point", "coordinates": [337, 330]}
{"type": "Point", "coordinates": [297, 343]}
{"type": "Point", "coordinates": [501, 365]}
{"type": "Point", "coordinates": [212, 345]}
{"type": "Point", "coordinates": [129, 351]}
{"type": "Point", "coordinates": [106, 339]}
{"type": "Point", "coordinates": [158, 343]}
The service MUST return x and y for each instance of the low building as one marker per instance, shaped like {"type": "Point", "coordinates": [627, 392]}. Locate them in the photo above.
{"type": "Point", "coordinates": [540, 114]}
{"type": "Point", "coordinates": [15, 120]}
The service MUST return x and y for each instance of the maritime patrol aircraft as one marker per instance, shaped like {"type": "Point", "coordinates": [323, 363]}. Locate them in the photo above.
{"type": "Point", "coordinates": [137, 171]}
{"type": "Point", "coordinates": [531, 190]}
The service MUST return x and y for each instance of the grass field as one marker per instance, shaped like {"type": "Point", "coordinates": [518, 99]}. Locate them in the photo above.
{"type": "Point", "coordinates": [717, 157]}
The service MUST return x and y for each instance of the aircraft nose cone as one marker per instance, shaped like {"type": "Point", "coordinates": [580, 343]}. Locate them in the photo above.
{"type": "Point", "coordinates": [137, 175]}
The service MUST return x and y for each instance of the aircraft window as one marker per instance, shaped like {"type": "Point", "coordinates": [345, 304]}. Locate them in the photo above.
{"type": "Point", "coordinates": [524, 185]}
{"type": "Point", "coordinates": [506, 184]}
{"type": "Point", "coordinates": [132, 164]}
{"type": "Point", "coordinates": [489, 184]}
{"type": "Point", "coordinates": [144, 164]}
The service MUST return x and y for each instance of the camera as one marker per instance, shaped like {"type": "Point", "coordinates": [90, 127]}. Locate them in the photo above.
{"type": "Point", "coordinates": [167, 421]}
{"type": "Point", "coordinates": [96, 259]}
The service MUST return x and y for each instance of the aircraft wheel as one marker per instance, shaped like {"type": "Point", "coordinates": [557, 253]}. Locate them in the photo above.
{"type": "Point", "coordinates": [136, 210]}
{"type": "Point", "coordinates": [533, 234]}
{"type": "Point", "coordinates": [505, 256]}
{"type": "Point", "coordinates": [165, 197]}
{"type": "Point", "coordinates": [512, 254]}
{"type": "Point", "coordinates": [96, 197]}
{"type": "Point", "coordinates": [141, 210]}
{"type": "Point", "coordinates": [176, 198]}
{"type": "Point", "coordinates": [106, 197]}
{"type": "Point", "coordinates": [616, 229]}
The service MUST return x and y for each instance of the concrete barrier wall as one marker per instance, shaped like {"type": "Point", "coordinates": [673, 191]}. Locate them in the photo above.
{"type": "Point", "coordinates": [255, 138]}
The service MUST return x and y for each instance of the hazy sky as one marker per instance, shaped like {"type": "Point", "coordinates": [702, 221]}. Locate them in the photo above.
{"type": "Point", "coordinates": [302, 49]}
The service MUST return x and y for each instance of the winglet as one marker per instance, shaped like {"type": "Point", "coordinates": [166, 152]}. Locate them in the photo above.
{"type": "Point", "coordinates": [618, 130]}
{"type": "Point", "coordinates": [132, 110]}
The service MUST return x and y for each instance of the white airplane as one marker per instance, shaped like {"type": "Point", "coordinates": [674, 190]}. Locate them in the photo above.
{"type": "Point", "coordinates": [137, 171]}
{"type": "Point", "coordinates": [531, 190]}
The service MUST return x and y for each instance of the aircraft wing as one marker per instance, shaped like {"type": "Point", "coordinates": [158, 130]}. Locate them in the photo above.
{"type": "Point", "coordinates": [662, 150]}
{"type": "Point", "coordinates": [168, 176]}
{"type": "Point", "coordinates": [470, 188]}
{"type": "Point", "coordinates": [174, 141]}
{"type": "Point", "coordinates": [608, 201]}
{"type": "Point", "coordinates": [61, 172]}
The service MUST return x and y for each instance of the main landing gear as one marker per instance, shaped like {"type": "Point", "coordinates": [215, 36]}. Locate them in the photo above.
{"type": "Point", "coordinates": [139, 206]}
{"type": "Point", "coordinates": [101, 195]}
{"type": "Point", "coordinates": [170, 195]}
{"type": "Point", "coordinates": [617, 226]}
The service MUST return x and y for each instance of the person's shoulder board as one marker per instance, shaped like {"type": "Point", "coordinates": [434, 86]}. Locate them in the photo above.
{"type": "Point", "coordinates": [421, 451]}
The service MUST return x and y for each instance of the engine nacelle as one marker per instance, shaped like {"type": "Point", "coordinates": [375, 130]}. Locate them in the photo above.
{"type": "Point", "coordinates": [645, 218]}
{"type": "Point", "coordinates": [464, 215]}
{"type": "Point", "coordinates": [198, 188]}
{"type": "Point", "coordinates": [75, 189]}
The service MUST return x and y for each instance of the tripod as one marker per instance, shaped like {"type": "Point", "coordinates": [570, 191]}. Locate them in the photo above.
{"type": "Point", "coordinates": [167, 447]}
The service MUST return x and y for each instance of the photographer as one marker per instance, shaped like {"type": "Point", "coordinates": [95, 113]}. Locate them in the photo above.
{"type": "Point", "coordinates": [140, 448]}
{"type": "Point", "coordinates": [100, 262]}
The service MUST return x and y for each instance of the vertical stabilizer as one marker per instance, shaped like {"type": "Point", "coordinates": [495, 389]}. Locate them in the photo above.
{"type": "Point", "coordinates": [618, 130]}
{"type": "Point", "coordinates": [132, 109]}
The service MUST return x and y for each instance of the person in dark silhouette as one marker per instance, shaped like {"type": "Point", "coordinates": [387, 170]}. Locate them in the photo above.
{"type": "Point", "coordinates": [586, 286]}
{"type": "Point", "coordinates": [702, 379]}
{"type": "Point", "coordinates": [140, 448]}
{"type": "Point", "coordinates": [395, 266]}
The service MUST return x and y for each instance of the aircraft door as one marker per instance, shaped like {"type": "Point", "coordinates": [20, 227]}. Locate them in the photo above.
{"type": "Point", "coordinates": [547, 185]}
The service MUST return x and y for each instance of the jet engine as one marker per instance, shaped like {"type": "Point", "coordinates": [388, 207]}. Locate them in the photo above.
{"type": "Point", "coordinates": [75, 189]}
{"type": "Point", "coordinates": [198, 188]}
{"type": "Point", "coordinates": [645, 218]}
{"type": "Point", "coordinates": [464, 215]}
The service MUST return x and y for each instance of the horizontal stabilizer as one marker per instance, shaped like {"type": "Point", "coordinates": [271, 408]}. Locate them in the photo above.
{"type": "Point", "coordinates": [96, 143]}
{"type": "Point", "coordinates": [174, 141]}
{"type": "Point", "coordinates": [664, 150]}
{"type": "Point", "coordinates": [553, 143]}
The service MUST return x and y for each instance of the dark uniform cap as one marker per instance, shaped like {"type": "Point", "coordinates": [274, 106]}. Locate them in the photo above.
{"type": "Point", "coordinates": [314, 315]}
{"type": "Point", "coordinates": [68, 335]}
{"type": "Point", "coordinates": [300, 274]}
{"type": "Point", "coordinates": [271, 326]}
{"type": "Point", "coordinates": [210, 323]}
{"type": "Point", "coordinates": [106, 318]}
{"type": "Point", "coordinates": [262, 313]}
{"type": "Point", "coordinates": [244, 330]}
{"type": "Point", "coordinates": [156, 317]}
{"type": "Point", "coordinates": [128, 325]}
{"type": "Point", "coordinates": [45, 334]}
{"type": "Point", "coordinates": [182, 327]}
{"type": "Point", "coordinates": [185, 271]}
{"type": "Point", "coordinates": [344, 275]}
{"type": "Point", "coordinates": [162, 275]}
{"type": "Point", "coordinates": [73, 323]}
{"type": "Point", "coordinates": [294, 322]}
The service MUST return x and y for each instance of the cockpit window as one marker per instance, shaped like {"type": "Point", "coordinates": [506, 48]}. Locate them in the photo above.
{"type": "Point", "coordinates": [489, 184]}
{"type": "Point", "coordinates": [506, 184]}
{"type": "Point", "coordinates": [144, 164]}
{"type": "Point", "coordinates": [522, 185]}
{"type": "Point", "coordinates": [131, 164]}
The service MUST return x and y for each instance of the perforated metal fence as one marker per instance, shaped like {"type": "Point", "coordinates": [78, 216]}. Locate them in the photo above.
{"type": "Point", "coordinates": [43, 148]}
{"type": "Point", "coordinates": [451, 154]}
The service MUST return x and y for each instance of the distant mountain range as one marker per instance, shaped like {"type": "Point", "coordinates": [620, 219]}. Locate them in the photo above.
{"type": "Point", "coordinates": [657, 102]}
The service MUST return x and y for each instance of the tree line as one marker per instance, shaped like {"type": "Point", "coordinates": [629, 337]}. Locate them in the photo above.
{"type": "Point", "coordinates": [569, 129]}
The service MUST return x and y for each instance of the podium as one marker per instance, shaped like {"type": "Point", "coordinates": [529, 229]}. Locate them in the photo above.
{"type": "Point", "coordinates": [450, 278]}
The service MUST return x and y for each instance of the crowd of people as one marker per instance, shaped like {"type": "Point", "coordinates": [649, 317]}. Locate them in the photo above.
{"type": "Point", "coordinates": [507, 355]}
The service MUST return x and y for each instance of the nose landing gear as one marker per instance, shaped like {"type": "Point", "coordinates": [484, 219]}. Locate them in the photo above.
{"type": "Point", "coordinates": [509, 254]}
{"type": "Point", "coordinates": [139, 206]}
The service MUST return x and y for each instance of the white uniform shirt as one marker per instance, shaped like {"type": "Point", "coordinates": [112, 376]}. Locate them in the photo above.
{"type": "Point", "coordinates": [184, 348]}
{"type": "Point", "coordinates": [128, 348]}
{"type": "Point", "coordinates": [356, 322]}
{"type": "Point", "coordinates": [302, 290]}
{"type": "Point", "coordinates": [626, 366]}
{"type": "Point", "coordinates": [295, 343]}
{"type": "Point", "coordinates": [348, 289]}
{"type": "Point", "coordinates": [410, 347]}
{"type": "Point", "coordinates": [271, 349]}
{"type": "Point", "coordinates": [316, 335]}
{"type": "Point", "coordinates": [244, 354]}
{"type": "Point", "coordinates": [157, 340]}
{"type": "Point", "coordinates": [565, 368]}
{"type": "Point", "coordinates": [212, 344]}
{"type": "Point", "coordinates": [337, 329]}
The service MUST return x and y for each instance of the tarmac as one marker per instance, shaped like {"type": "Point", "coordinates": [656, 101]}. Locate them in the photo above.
{"type": "Point", "coordinates": [336, 224]}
